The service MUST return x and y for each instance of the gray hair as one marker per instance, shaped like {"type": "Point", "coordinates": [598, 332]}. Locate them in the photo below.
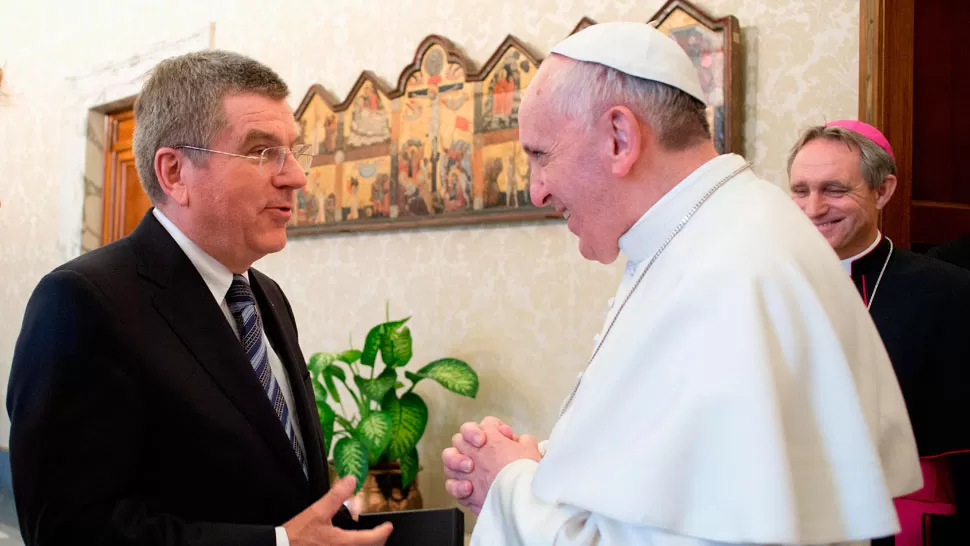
{"type": "Point", "coordinates": [181, 104]}
{"type": "Point", "coordinates": [874, 162]}
{"type": "Point", "coordinates": [584, 90]}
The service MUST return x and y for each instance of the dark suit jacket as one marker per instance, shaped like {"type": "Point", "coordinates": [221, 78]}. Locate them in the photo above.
{"type": "Point", "coordinates": [136, 417]}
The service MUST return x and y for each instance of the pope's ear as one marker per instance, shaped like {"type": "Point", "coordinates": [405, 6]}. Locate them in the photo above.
{"type": "Point", "coordinates": [885, 191]}
{"type": "Point", "coordinates": [625, 139]}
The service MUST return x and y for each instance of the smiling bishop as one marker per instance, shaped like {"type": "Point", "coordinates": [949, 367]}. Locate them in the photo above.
{"type": "Point", "coordinates": [842, 174]}
{"type": "Point", "coordinates": [738, 391]}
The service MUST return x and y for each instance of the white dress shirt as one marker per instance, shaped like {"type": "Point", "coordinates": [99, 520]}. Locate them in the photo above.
{"type": "Point", "coordinates": [218, 278]}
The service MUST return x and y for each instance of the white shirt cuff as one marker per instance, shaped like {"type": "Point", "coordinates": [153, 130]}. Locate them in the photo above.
{"type": "Point", "coordinates": [281, 538]}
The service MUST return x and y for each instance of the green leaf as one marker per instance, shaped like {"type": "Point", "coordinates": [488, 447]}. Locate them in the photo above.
{"type": "Point", "coordinates": [413, 377]}
{"type": "Point", "coordinates": [319, 392]}
{"type": "Point", "coordinates": [327, 417]}
{"type": "Point", "coordinates": [453, 374]}
{"type": "Point", "coordinates": [349, 356]}
{"type": "Point", "coordinates": [376, 388]}
{"type": "Point", "coordinates": [344, 422]}
{"type": "Point", "coordinates": [409, 467]}
{"type": "Point", "coordinates": [328, 373]}
{"type": "Point", "coordinates": [336, 371]}
{"type": "Point", "coordinates": [409, 417]}
{"type": "Point", "coordinates": [325, 414]}
{"type": "Point", "coordinates": [396, 344]}
{"type": "Point", "coordinates": [375, 433]}
{"type": "Point", "coordinates": [319, 361]}
{"type": "Point", "coordinates": [350, 459]}
{"type": "Point", "coordinates": [371, 345]}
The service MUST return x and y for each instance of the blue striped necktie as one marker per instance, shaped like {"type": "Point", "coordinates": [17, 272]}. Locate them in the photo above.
{"type": "Point", "coordinates": [242, 305]}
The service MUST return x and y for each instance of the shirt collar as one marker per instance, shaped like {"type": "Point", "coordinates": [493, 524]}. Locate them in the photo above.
{"type": "Point", "coordinates": [650, 231]}
{"type": "Point", "coordinates": [847, 263]}
{"type": "Point", "coordinates": [217, 277]}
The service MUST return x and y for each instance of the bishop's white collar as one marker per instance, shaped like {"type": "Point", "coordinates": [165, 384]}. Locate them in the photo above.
{"type": "Point", "coordinates": [649, 232]}
{"type": "Point", "coordinates": [847, 263]}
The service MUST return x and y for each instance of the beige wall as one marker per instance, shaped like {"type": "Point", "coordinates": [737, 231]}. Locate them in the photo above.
{"type": "Point", "coordinates": [517, 302]}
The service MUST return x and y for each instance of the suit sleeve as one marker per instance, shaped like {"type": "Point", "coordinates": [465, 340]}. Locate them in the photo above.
{"type": "Point", "coordinates": [78, 432]}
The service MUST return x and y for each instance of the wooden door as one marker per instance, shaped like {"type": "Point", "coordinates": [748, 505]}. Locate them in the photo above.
{"type": "Point", "coordinates": [941, 123]}
{"type": "Point", "coordinates": [913, 88]}
{"type": "Point", "coordinates": [125, 202]}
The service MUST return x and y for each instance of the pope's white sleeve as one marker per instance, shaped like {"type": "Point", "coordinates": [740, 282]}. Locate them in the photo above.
{"type": "Point", "coordinates": [513, 516]}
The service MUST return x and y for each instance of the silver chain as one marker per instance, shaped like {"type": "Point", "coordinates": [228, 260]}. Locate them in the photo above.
{"type": "Point", "coordinates": [879, 280]}
{"type": "Point", "coordinates": [680, 226]}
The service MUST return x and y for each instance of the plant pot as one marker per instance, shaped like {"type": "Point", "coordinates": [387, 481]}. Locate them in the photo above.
{"type": "Point", "coordinates": [382, 491]}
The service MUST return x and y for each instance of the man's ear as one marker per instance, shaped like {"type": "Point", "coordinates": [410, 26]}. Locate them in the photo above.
{"type": "Point", "coordinates": [169, 165]}
{"type": "Point", "coordinates": [885, 191]}
{"type": "Point", "coordinates": [625, 140]}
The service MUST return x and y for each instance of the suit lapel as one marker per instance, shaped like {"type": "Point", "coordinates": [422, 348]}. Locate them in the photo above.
{"type": "Point", "coordinates": [281, 333]}
{"type": "Point", "coordinates": [186, 304]}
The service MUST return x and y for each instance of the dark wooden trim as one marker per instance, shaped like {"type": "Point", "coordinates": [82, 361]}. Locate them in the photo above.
{"type": "Point", "coordinates": [323, 159]}
{"type": "Point", "coordinates": [499, 216]}
{"type": "Point", "coordinates": [733, 85]}
{"type": "Point", "coordinates": [934, 223]}
{"type": "Point", "coordinates": [583, 23]}
{"type": "Point", "coordinates": [886, 53]}
{"type": "Point", "coordinates": [452, 53]}
{"type": "Point", "coordinates": [871, 75]}
{"type": "Point", "coordinates": [509, 43]}
{"type": "Point", "coordinates": [500, 136]}
{"type": "Point", "coordinates": [382, 149]}
{"type": "Point", "coordinates": [315, 90]}
{"type": "Point", "coordinates": [108, 195]}
{"type": "Point", "coordinates": [365, 76]}
{"type": "Point", "coordinates": [692, 10]}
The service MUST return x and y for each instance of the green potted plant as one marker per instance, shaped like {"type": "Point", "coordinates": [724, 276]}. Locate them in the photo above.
{"type": "Point", "coordinates": [368, 410]}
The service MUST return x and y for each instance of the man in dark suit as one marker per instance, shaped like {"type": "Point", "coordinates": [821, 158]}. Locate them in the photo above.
{"type": "Point", "coordinates": [841, 175]}
{"type": "Point", "coordinates": [158, 393]}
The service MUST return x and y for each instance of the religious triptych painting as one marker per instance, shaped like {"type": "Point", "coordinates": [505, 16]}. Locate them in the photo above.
{"type": "Point", "coordinates": [441, 148]}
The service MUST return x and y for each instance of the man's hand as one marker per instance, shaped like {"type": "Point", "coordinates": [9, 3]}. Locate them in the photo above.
{"type": "Point", "coordinates": [478, 454]}
{"type": "Point", "coordinates": [312, 527]}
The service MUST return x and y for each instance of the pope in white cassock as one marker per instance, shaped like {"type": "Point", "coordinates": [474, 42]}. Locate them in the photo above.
{"type": "Point", "coordinates": [738, 392]}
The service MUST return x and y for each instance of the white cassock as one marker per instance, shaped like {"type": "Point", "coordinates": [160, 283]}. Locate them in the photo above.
{"type": "Point", "coordinates": [743, 395]}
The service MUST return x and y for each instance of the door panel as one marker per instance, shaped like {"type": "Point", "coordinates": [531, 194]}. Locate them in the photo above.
{"type": "Point", "coordinates": [125, 201]}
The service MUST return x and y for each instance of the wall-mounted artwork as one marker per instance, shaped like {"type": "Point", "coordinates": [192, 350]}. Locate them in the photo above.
{"type": "Point", "coordinates": [441, 148]}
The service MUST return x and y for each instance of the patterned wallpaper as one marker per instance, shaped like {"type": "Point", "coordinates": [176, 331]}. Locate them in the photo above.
{"type": "Point", "coordinates": [517, 301]}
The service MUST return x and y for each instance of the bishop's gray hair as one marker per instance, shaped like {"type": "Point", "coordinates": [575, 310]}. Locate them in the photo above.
{"type": "Point", "coordinates": [181, 104]}
{"type": "Point", "coordinates": [876, 163]}
{"type": "Point", "coordinates": [585, 91]}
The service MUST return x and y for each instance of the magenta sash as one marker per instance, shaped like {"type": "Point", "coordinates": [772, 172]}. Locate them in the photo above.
{"type": "Point", "coordinates": [936, 497]}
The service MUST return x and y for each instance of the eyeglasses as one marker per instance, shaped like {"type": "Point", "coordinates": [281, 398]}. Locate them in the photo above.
{"type": "Point", "coordinates": [274, 157]}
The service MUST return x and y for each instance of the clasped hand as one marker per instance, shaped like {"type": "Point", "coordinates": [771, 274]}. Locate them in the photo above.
{"type": "Point", "coordinates": [476, 456]}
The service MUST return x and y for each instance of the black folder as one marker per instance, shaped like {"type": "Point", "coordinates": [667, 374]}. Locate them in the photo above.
{"type": "Point", "coordinates": [428, 527]}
